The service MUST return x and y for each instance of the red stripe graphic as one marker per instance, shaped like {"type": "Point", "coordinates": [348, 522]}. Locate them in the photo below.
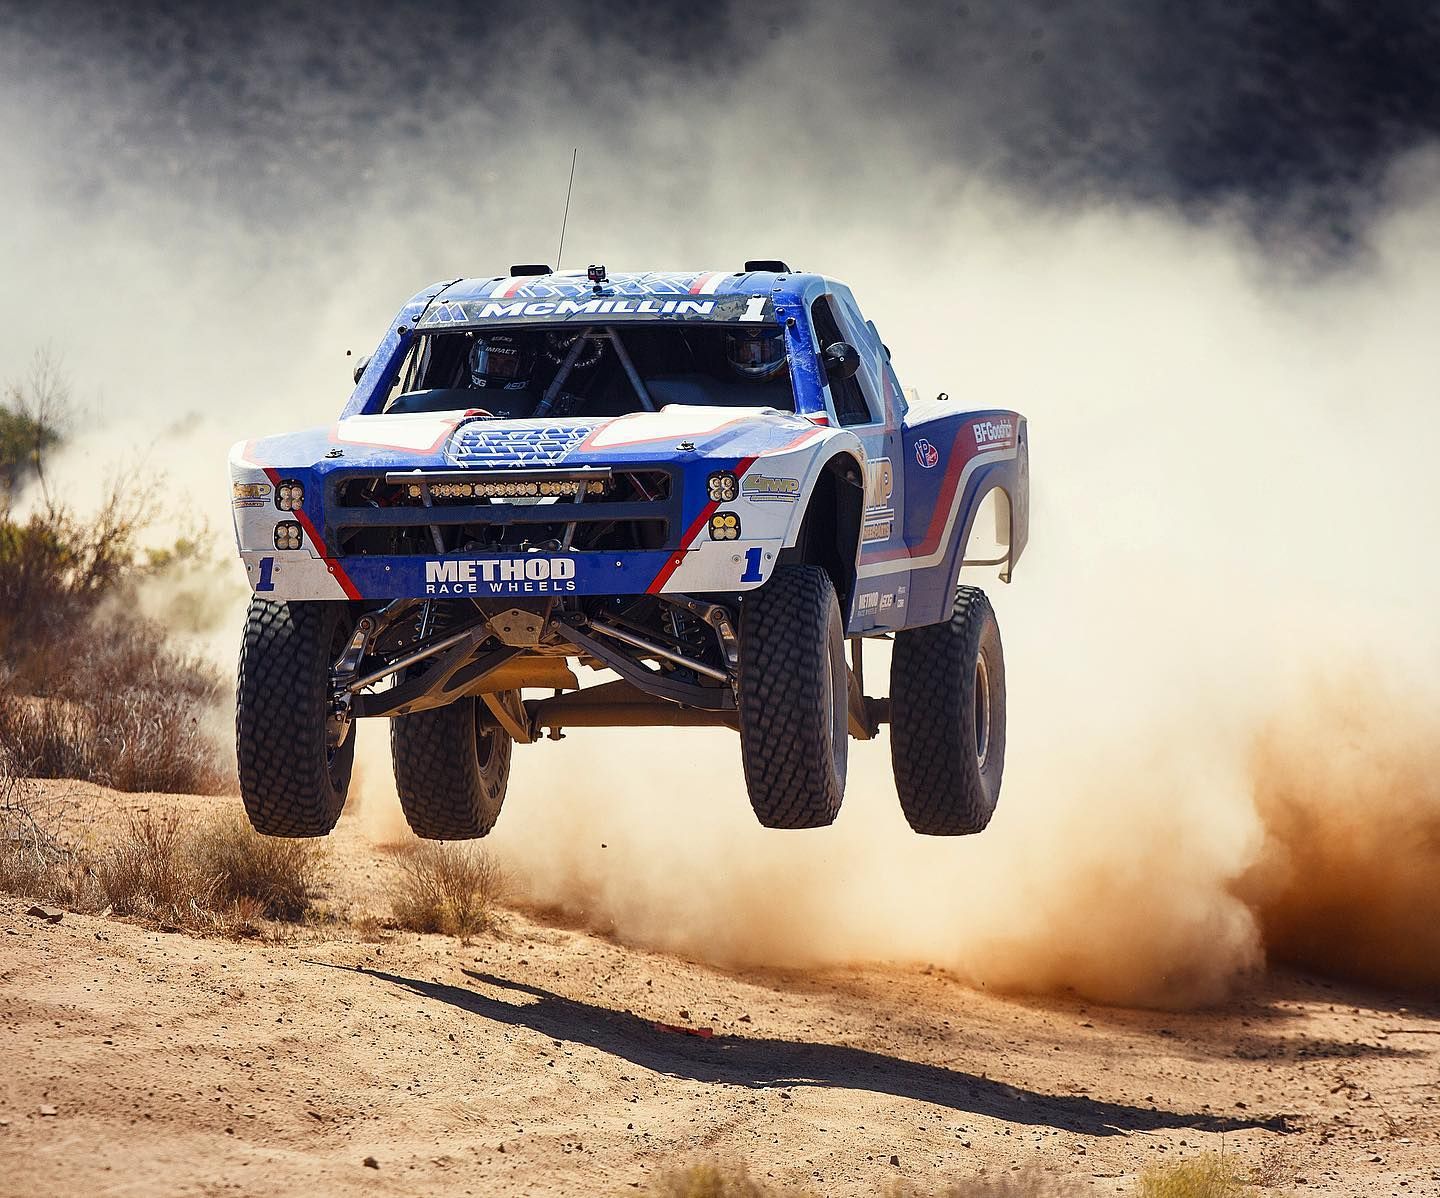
{"type": "Point", "coordinates": [941, 511]}
{"type": "Point", "coordinates": [692, 533]}
{"type": "Point", "coordinates": [313, 533]}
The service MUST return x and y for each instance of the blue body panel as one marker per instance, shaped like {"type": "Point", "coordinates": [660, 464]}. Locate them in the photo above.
{"type": "Point", "coordinates": [927, 469]}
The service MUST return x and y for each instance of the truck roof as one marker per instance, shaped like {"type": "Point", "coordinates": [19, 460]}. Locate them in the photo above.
{"type": "Point", "coordinates": [575, 284]}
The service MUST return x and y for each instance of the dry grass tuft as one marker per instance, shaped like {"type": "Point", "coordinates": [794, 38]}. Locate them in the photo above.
{"type": "Point", "coordinates": [1277, 1165]}
{"type": "Point", "coordinates": [214, 875]}
{"type": "Point", "coordinates": [1207, 1176]}
{"type": "Point", "coordinates": [131, 717]}
{"type": "Point", "coordinates": [150, 874]}
{"type": "Point", "coordinates": [275, 877]}
{"type": "Point", "coordinates": [447, 888]}
{"type": "Point", "coordinates": [1027, 1184]}
{"type": "Point", "coordinates": [713, 1180]}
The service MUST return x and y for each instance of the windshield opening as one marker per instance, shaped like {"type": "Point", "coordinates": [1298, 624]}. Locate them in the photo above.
{"type": "Point", "coordinates": [593, 370]}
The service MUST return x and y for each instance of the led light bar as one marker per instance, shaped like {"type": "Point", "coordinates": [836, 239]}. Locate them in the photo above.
{"type": "Point", "coordinates": [506, 490]}
{"type": "Point", "coordinates": [724, 526]}
{"type": "Point", "coordinates": [289, 495]}
{"type": "Point", "coordinates": [288, 535]}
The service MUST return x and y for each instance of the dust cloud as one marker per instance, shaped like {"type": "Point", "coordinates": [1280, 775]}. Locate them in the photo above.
{"type": "Point", "coordinates": [1233, 488]}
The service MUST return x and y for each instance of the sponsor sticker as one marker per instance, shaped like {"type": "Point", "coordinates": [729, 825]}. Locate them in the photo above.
{"type": "Point", "coordinates": [761, 487]}
{"type": "Point", "coordinates": [879, 482]}
{"type": "Point", "coordinates": [749, 308]}
{"type": "Point", "coordinates": [247, 503]}
{"type": "Point", "coordinates": [530, 575]}
{"type": "Point", "coordinates": [926, 454]}
{"type": "Point", "coordinates": [878, 530]}
{"type": "Point", "coordinates": [868, 601]}
{"type": "Point", "coordinates": [887, 602]}
{"type": "Point", "coordinates": [993, 432]}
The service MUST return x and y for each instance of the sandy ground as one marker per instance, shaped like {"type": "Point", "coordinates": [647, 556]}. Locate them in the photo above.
{"type": "Point", "coordinates": [531, 1063]}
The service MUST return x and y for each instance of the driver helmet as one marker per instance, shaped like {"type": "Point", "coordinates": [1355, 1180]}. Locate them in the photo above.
{"type": "Point", "coordinates": [757, 355]}
{"type": "Point", "coordinates": [501, 360]}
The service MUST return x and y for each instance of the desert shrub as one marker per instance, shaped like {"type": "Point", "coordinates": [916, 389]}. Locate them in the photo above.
{"type": "Point", "coordinates": [217, 874]}
{"type": "Point", "coordinates": [1208, 1176]}
{"type": "Point", "coordinates": [150, 873]}
{"type": "Point", "coordinates": [130, 737]}
{"type": "Point", "coordinates": [89, 688]}
{"type": "Point", "coordinates": [446, 888]}
{"type": "Point", "coordinates": [275, 877]}
{"type": "Point", "coordinates": [34, 858]}
{"type": "Point", "coordinates": [214, 875]}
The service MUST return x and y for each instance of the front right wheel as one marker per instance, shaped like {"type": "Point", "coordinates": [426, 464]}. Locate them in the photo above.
{"type": "Point", "coordinates": [794, 699]}
{"type": "Point", "coordinates": [947, 713]}
{"type": "Point", "coordinates": [452, 766]}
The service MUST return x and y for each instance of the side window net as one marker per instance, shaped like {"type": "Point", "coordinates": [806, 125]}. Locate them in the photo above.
{"type": "Point", "coordinates": [850, 405]}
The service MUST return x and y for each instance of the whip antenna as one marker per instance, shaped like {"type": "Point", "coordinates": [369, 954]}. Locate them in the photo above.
{"type": "Point", "coordinates": [560, 253]}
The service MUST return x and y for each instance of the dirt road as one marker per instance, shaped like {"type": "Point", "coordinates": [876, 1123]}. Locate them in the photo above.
{"type": "Point", "coordinates": [546, 1061]}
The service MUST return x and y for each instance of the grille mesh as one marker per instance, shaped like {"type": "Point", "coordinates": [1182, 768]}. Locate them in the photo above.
{"type": "Point", "coordinates": [486, 445]}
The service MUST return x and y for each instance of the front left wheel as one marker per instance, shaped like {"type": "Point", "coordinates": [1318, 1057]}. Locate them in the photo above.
{"type": "Point", "coordinates": [794, 699]}
{"type": "Point", "coordinates": [294, 758]}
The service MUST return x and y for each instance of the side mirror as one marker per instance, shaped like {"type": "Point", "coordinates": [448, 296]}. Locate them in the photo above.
{"type": "Point", "coordinates": [842, 360]}
{"type": "Point", "coordinates": [360, 366]}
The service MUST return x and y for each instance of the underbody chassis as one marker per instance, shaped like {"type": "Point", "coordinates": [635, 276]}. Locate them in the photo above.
{"type": "Point", "coordinates": [677, 658]}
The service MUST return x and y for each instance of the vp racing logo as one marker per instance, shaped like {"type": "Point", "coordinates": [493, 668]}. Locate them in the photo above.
{"type": "Point", "coordinates": [926, 454]}
{"type": "Point", "coordinates": [530, 575]}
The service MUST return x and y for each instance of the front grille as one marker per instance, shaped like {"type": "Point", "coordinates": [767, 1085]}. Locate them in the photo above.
{"type": "Point", "coordinates": [369, 513]}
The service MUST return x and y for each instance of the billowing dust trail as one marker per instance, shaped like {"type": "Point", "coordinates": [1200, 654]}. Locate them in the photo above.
{"type": "Point", "coordinates": [1234, 494]}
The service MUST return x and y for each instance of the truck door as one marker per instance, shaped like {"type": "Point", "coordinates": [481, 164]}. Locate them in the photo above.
{"type": "Point", "coordinates": [870, 405]}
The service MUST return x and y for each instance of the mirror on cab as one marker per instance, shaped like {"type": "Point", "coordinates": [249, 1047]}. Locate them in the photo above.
{"type": "Point", "coordinates": [360, 366]}
{"type": "Point", "coordinates": [842, 360]}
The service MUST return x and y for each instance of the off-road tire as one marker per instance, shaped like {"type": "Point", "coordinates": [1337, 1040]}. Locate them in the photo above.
{"type": "Point", "coordinates": [292, 781]}
{"type": "Point", "coordinates": [794, 694]}
{"type": "Point", "coordinates": [948, 757]}
{"type": "Point", "coordinates": [451, 770]}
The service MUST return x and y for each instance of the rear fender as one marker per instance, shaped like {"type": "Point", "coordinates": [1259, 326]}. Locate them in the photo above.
{"type": "Point", "coordinates": [953, 461]}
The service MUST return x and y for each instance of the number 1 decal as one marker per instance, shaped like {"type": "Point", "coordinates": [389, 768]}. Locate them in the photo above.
{"type": "Point", "coordinates": [752, 566]}
{"type": "Point", "coordinates": [267, 572]}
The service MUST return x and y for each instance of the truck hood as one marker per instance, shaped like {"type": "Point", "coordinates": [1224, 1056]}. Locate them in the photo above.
{"type": "Point", "coordinates": [465, 440]}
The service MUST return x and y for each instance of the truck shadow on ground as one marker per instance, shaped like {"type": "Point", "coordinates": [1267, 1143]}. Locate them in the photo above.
{"type": "Point", "coordinates": [756, 1062]}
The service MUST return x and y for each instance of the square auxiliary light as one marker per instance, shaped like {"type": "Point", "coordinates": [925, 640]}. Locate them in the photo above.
{"type": "Point", "coordinates": [722, 486]}
{"type": "Point", "coordinates": [289, 495]}
{"type": "Point", "coordinates": [724, 526]}
{"type": "Point", "coordinates": [288, 535]}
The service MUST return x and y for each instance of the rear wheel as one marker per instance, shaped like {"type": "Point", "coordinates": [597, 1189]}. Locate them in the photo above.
{"type": "Point", "coordinates": [947, 734]}
{"type": "Point", "coordinates": [452, 766]}
{"type": "Point", "coordinates": [794, 695]}
{"type": "Point", "coordinates": [294, 758]}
